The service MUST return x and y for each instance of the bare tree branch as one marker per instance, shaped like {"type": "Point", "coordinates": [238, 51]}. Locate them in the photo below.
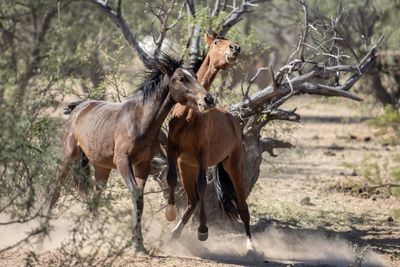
{"type": "Point", "coordinates": [117, 18]}
{"type": "Point", "coordinates": [280, 114]}
{"type": "Point", "coordinates": [194, 38]}
{"type": "Point", "coordinates": [305, 33]}
{"type": "Point", "coordinates": [216, 9]}
{"type": "Point", "coordinates": [304, 84]}
{"type": "Point", "coordinates": [236, 15]}
{"type": "Point", "coordinates": [269, 144]}
{"type": "Point", "coordinates": [164, 29]}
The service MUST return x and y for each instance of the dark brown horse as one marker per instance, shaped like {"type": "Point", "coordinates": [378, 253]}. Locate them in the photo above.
{"type": "Point", "coordinates": [124, 136]}
{"type": "Point", "coordinates": [197, 141]}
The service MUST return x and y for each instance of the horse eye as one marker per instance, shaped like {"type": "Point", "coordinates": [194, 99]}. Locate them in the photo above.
{"type": "Point", "coordinates": [181, 78]}
{"type": "Point", "coordinates": [216, 42]}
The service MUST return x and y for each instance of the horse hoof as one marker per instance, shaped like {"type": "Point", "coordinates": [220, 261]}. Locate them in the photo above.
{"type": "Point", "coordinates": [202, 236]}
{"type": "Point", "coordinates": [170, 213]}
{"type": "Point", "coordinates": [250, 246]}
{"type": "Point", "coordinates": [140, 250]}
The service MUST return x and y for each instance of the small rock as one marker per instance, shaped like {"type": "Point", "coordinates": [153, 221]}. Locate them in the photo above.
{"type": "Point", "coordinates": [354, 173]}
{"type": "Point", "coordinates": [367, 139]}
{"type": "Point", "coordinates": [352, 137]}
{"type": "Point", "coordinates": [373, 198]}
{"type": "Point", "coordinates": [306, 201]}
{"type": "Point", "coordinates": [329, 153]}
{"type": "Point", "coordinates": [390, 219]}
{"type": "Point", "coordinates": [336, 147]}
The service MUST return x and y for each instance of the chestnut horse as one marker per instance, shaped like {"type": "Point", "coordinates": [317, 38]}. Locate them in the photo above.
{"type": "Point", "coordinates": [197, 141]}
{"type": "Point", "coordinates": [124, 136]}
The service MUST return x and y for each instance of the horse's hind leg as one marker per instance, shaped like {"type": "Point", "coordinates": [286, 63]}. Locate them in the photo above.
{"type": "Point", "coordinates": [234, 167]}
{"type": "Point", "coordinates": [188, 177]}
{"type": "Point", "coordinates": [202, 232]}
{"type": "Point", "coordinates": [172, 179]}
{"type": "Point", "coordinates": [71, 155]}
{"type": "Point", "coordinates": [101, 176]}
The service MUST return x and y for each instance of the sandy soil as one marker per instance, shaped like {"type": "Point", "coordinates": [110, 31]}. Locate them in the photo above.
{"type": "Point", "coordinates": [302, 213]}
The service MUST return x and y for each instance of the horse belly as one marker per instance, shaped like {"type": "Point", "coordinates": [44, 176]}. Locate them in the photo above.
{"type": "Point", "coordinates": [218, 154]}
{"type": "Point", "coordinates": [98, 149]}
{"type": "Point", "coordinates": [222, 142]}
{"type": "Point", "coordinates": [100, 155]}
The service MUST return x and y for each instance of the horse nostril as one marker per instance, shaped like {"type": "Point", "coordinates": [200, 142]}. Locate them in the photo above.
{"type": "Point", "coordinates": [231, 47]}
{"type": "Point", "coordinates": [209, 100]}
{"type": "Point", "coordinates": [238, 49]}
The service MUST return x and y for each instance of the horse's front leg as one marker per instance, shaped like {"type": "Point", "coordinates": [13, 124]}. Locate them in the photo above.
{"type": "Point", "coordinates": [202, 233]}
{"type": "Point", "coordinates": [124, 166]}
{"type": "Point", "coordinates": [172, 179]}
{"type": "Point", "coordinates": [141, 174]}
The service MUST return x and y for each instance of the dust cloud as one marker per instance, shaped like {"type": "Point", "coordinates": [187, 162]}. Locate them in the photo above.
{"type": "Point", "coordinates": [274, 246]}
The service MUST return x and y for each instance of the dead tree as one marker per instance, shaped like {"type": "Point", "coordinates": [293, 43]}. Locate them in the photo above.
{"type": "Point", "coordinates": [319, 66]}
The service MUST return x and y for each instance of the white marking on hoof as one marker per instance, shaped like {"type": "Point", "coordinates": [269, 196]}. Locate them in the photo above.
{"type": "Point", "coordinates": [250, 246]}
{"type": "Point", "coordinates": [170, 213]}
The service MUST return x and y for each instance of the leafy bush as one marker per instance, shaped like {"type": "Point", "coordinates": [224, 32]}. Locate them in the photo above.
{"type": "Point", "coordinates": [388, 124]}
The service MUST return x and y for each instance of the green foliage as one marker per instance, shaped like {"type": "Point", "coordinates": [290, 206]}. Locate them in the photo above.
{"type": "Point", "coordinates": [396, 214]}
{"type": "Point", "coordinates": [388, 124]}
{"type": "Point", "coordinates": [395, 173]}
{"type": "Point", "coordinates": [371, 172]}
{"type": "Point", "coordinates": [375, 172]}
{"type": "Point", "coordinates": [28, 160]}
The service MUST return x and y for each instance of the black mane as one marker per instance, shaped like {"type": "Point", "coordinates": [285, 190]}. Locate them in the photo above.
{"type": "Point", "coordinates": [152, 81]}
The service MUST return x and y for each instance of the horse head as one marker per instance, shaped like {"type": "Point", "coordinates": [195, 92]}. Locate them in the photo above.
{"type": "Point", "coordinates": [186, 90]}
{"type": "Point", "coordinates": [222, 52]}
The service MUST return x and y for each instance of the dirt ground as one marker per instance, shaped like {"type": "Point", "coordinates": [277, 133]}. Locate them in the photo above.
{"type": "Point", "coordinates": [306, 207]}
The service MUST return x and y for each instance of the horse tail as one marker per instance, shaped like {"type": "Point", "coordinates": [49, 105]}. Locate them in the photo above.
{"type": "Point", "coordinates": [71, 106]}
{"type": "Point", "coordinates": [81, 174]}
{"type": "Point", "coordinates": [226, 193]}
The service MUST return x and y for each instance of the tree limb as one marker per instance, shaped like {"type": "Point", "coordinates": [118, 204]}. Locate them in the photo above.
{"type": "Point", "coordinates": [304, 84]}
{"type": "Point", "coordinates": [269, 144]}
{"type": "Point", "coordinates": [236, 15]}
{"type": "Point", "coordinates": [117, 18]}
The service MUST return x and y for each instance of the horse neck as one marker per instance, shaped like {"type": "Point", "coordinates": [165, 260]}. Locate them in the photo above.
{"type": "Point", "coordinates": [206, 73]}
{"type": "Point", "coordinates": [155, 111]}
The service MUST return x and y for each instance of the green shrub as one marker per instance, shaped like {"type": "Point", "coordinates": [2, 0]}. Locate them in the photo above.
{"type": "Point", "coordinates": [388, 123]}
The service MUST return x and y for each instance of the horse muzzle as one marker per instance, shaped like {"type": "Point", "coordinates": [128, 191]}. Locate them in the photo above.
{"type": "Point", "coordinates": [206, 103]}
{"type": "Point", "coordinates": [234, 51]}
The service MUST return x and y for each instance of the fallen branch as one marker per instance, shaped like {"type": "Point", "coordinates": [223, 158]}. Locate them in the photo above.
{"type": "Point", "coordinates": [389, 185]}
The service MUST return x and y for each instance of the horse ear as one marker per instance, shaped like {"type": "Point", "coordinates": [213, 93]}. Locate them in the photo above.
{"type": "Point", "coordinates": [208, 38]}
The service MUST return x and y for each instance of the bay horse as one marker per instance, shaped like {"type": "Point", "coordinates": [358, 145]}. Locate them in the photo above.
{"type": "Point", "coordinates": [197, 141]}
{"type": "Point", "coordinates": [124, 135]}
